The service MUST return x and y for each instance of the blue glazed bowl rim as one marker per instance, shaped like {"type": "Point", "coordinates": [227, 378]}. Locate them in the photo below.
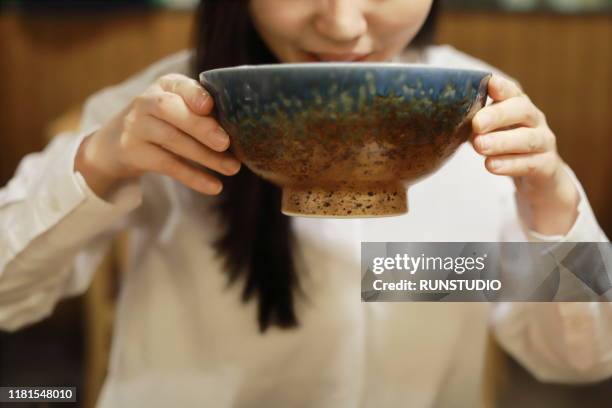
{"type": "Point", "coordinates": [342, 65]}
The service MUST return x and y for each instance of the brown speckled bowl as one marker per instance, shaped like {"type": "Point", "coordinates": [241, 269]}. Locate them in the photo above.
{"type": "Point", "coordinates": [345, 139]}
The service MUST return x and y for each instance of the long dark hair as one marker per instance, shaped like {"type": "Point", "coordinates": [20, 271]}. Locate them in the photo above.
{"type": "Point", "coordinates": [257, 241]}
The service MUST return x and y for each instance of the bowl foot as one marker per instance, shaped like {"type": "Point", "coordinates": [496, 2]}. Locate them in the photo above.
{"type": "Point", "coordinates": [380, 201]}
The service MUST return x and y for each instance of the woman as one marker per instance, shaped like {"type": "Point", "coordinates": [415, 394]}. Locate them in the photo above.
{"type": "Point", "coordinates": [289, 330]}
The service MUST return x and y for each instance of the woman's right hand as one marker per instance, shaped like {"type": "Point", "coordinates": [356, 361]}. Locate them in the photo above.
{"type": "Point", "coordinates": [165, 130]}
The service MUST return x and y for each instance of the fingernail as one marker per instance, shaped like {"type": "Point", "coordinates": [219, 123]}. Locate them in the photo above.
{"type": "Point", "coordinates": [484, 143]}
{"type": "Point", "coordinates": [202, 100]}
{"type": "Point", "coordinates": [220, 139]}
{"type": "Point", "coordinates": [214, 188]}
{"type": "Point", "coordinates": [483, 121]}
{"type": "Point", "coordinates": [230, 165]}
{"type": "Point", "coordinates": [495, 164]}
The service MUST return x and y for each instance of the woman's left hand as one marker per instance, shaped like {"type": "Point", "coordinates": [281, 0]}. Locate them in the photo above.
{"type": "Point", "coordinates": [515, 138]}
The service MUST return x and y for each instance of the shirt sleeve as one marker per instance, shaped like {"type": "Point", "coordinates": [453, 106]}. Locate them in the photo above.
{"type": "Point", "coordinates": [565, 342]}
{"type": "Point", "coordinates": [569, 342]}
{"type": "Point", "coordinates": [50, 223]}
{"type": "Point", "coordinates": [54, 230]}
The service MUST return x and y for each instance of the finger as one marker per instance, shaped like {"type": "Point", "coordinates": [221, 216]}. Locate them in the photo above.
{"type": "Point", "coordinates": [183, 145]}
{"type": "Point", "coordinates": [515, 141]}
{"type": "Point", "coordinates": [164, 162]}
{"type": "Point", "coordinates": [171, 108]}
{"type": "Point", "coordinates": [533, 165]}
{"type": "Point", "coordinates": [194, 95]}
{"type": "Point", "coordinates": [501, 88]}
{"type": "Point", "coordinates": [516, 111]}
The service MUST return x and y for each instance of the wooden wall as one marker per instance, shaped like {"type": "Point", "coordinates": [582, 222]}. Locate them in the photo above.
{"type": "Point", "coordinates": [50, 64]}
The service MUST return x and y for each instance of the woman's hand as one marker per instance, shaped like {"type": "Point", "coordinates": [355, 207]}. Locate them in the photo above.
{"type": "Point", "coordinates": [166, 130]}
{"type": "Point", "coordinates": [513, 135]}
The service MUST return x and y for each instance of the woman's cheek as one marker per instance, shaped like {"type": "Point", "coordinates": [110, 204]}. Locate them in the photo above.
{"type": "Point", "coordinates": [279, 25]}
{"type": "Point", "coordinates": [397, 22]}
{"type": "Point", "coordinates": [280, 18]}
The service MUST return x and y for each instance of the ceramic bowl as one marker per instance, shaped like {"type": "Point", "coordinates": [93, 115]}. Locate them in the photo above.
{"type": "Point", "coordinates": [345, 139]}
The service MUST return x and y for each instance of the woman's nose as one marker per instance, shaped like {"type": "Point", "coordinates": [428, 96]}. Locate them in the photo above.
{"type": "Point", "coordinates": [341, 20]}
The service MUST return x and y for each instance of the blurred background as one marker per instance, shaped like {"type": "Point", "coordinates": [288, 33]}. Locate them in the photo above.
{"type": "Point", "coordinates": [54, 54]}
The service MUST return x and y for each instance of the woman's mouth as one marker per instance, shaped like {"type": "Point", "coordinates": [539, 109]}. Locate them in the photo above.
{"type": "Point", "coordinates": [333, 57]}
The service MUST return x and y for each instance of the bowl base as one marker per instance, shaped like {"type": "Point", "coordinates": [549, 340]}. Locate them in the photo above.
{"type": "Point", "coordinates": [343, 202]}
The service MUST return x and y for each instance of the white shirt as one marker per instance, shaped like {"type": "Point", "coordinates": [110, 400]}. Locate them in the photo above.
{"type": "Point", "coordinates": [183, 339]}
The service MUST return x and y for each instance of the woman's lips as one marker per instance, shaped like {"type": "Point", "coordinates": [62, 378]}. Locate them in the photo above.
{"type": "Point", "coordinates": [329, 57]}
